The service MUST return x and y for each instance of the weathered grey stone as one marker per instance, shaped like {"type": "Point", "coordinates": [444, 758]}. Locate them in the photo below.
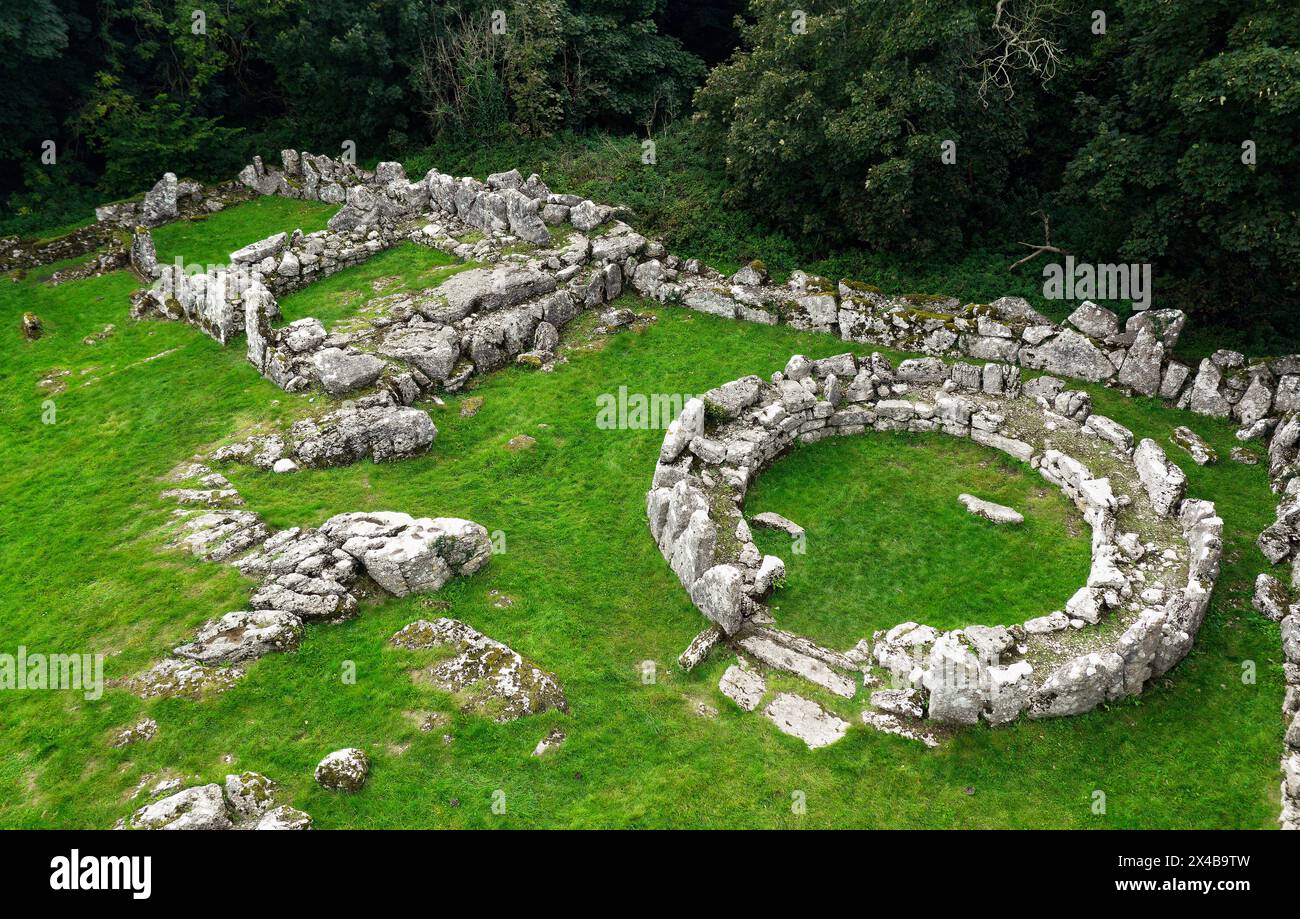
{"type": "Point", "coordinates": [284, 818]}
{"type": "Point", "coordinates": [433, 350]}
{"type": "Point", "coordinates": [1271, 598]}
{"type": "Point", "coordinates": [406, 555]}
{"type": "Point", "coordinates": [719, 594]}
{"type": "Point", "coordinates": [249, 794]}
{"type": "Point", "coordinates": [1070, 354]}
{"type": "Point", "coordinates": [1204, 397]}
{"type": "Point", "coordinates": [767, 650]}
{"type": "Point", "coordinates": [775, 521]}
{"type": "Point", "coordinates": [730, 399]}
{"type": "Point", "coordinates": [1008, 690]}
{"type": "Point", "coordinates": [989, 511]}
{"type": "Point", "coordinates": [486, 675]}
{"type": "Point", "coordinates": [1143, 365]}
{"type": "Point", "coordinates": [1093, 320]}
{"type": "Point", "coordinates": [1201, 452]}
{"type": "Point", "coordinates": [905, 703]}
{"type": "Point", "coordinates": [1165, 483]}
{"type": "Point", "coordinates": [199, 808]}
{"type": "Point", "coordinates": [340, 372]}
{"type": "Point", "coordinates": [743, 686]}
{"type": "Point", "coordinates": [1078, 686]}
{"type": "Point", "coordinates": [707, 300]}
{"type": "Point", "coordinates": [343, 770]}
{"type": "Point", "coordinates": [1110, 431]}
{"type": "Point", "coordinates": [953, 680]}
{"type": "Point", "coordinates": [160, 202]}
{"type": "Point", "coordinates": [805, 719]}
{"type": "Point", "coordinates": [243, 636]}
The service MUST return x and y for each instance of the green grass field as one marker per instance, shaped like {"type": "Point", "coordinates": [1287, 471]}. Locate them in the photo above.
{"type": "Point", "coordinates": [83, 569]}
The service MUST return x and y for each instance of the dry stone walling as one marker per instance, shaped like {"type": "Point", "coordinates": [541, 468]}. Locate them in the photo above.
{"type": "Point", "coordinates": [1155, 552]}
{"type": "Point", "coordinates": [582, 255]}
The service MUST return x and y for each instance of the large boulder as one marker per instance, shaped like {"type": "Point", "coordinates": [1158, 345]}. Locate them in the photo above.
{"type": "Point", "coordinates": [433, 350]}
{"type": "Point", "coordinates": [406, 555]}
{"type": "Point", "coordinates": [199, 808]}
{"type": "Point", "coordinates": [160, 202]}
{"type": "Point", "coordinates": [1094, 321]}
{"type": "Point", "coordinates": [1069, 354]}
{"type": "Point", "coordinates": [342, 372]}
{"type": "Point", "coordinates": [525, 221]}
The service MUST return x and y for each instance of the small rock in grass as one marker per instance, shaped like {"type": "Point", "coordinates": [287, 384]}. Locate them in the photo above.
{"type": "Point", "coordinates": [777, 522]}
{"type": "Point", "coordinates": [284, 818]}
{"type": "Point", "coordinates": [343, 770]}
{"type": "Point", "coordinates": [989, 511]}
{"type": "Point", "coordinates": [1244, 456]}
{"type": "Point", "coordinates": [550, 742]}
{"type": "Point", "coordinates": [284, 465]}
{"type": "Point", "coordinates": [32, 327]}
{"type": "Point", "coordinates": [521, 442]}
{"type": "Point", "coordinates": [144, 729]}
{"type": "Point", "coordinates": [470, 406]}
{"type": "Point", "coordinates": [1202, 453]}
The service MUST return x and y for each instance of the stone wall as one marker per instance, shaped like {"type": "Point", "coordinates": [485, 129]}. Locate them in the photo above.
{"type": "Point", "coordinates": [1147, 538]}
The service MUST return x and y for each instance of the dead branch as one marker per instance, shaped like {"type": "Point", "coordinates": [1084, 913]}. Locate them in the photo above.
{"type": "Point", "coordinates": [1039, 249]}
{"type": "Point", "coordinates": [1021, 44]}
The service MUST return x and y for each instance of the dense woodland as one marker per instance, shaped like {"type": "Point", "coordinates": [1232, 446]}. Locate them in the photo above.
{"type": "Point", "coordinates": [1161, 131]}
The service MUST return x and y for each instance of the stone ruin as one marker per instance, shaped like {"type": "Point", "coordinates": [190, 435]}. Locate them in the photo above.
{"type": "Point", "coordinates": [306, 575]}
{"type": "Point", "coordinates": [540, 258]}
{"type": "Point", "coordinates": [1155, 552]}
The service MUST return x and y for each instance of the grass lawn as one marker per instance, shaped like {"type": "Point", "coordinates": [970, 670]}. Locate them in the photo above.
{"type": "Point", "coordinates": [210, 240]}
{"type": "Point", "coordinates": [83, 569]}
{"type": "Point", "coordinates": [887, 540]}
{"type": "Point", "coordinates": [404, 267]}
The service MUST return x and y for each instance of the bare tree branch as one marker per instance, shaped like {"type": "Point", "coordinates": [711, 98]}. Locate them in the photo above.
{"type": "Point", "coordinates": [1045, 247]}
{"type": "Point", "coordinates": [1022, 42]}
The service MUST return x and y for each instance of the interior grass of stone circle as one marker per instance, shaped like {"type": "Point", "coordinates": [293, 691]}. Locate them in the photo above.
{"type": "Point", "coordinates": [83, 564]}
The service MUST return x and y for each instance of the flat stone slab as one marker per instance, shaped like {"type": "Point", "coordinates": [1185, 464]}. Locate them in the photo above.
{"type": "Point", "coordinates": [805, 719]}
{"type": "Point", "coordinates": [891, 724]}
{"type": "Point", "coordinates": [777, 522]}
{"type": "Point", "coordinates": [744, 687]}
{"type": "Point", "coordinates": [998, 513]}
{"type": "Point", "coordinates": [811, 669]}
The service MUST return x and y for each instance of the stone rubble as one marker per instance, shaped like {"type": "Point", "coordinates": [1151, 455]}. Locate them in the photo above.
{"type": "Point", "coordinates": [246, 801]}
{"type": "Point", "coordinates": [488, 677]}
{"type": "Point", "coordinates": [305, 575]}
